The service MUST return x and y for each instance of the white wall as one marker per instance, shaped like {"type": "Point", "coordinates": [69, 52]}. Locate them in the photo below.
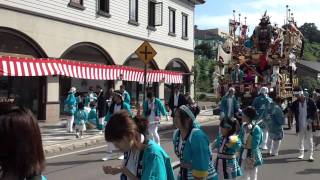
{"type": "Point", "coordinates": [119, 11]}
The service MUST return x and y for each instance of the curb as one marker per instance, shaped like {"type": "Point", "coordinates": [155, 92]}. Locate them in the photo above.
{"type": "Point", "coordinates": [72, 145]}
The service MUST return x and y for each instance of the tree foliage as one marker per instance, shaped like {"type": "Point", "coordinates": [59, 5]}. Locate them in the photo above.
{"type": "Point", "coordinates": [312, 41]}
{"type": "Point", "coordinates": [205, 50]}
{"type": "Point", "coordinates": [310, 31]}
{"type": "Point", "coordinates": [203, 74]}
{"type": "Point", "coordinates": [309, 83]}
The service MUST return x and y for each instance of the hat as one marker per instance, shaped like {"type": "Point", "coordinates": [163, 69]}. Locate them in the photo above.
{"type": "Point", "coordinates": [73, 90]}
{"type": "Point", "coordinates": [264, 90]}
{"type": "Point", "coordinates": [298, 91]}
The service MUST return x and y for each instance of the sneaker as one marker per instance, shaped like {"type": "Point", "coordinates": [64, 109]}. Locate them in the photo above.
{"type": "Point", "coordinates": [274, 154]}
{"type": "Point", "coordinates": [100, 132]}
{"type": "Point", "coordinates": [311, 159]}
{"type": "Point", "coordinates": [108, 157]}
{"type": "Point", "coordinates": [121, 157]}
{"type": "Point", "coordinates": [301, 156]}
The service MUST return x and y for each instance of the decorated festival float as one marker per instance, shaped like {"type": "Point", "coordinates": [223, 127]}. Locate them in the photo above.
{"type": "Point", "coordinates": [266, 58]}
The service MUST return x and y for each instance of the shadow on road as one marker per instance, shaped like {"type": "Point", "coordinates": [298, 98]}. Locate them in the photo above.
{"type": "Point", "coordinates": [281, 160]}
{"type": "Point", "coordinates": [74, 163]}
{"type": "Point", "coordinates": [309, 171]}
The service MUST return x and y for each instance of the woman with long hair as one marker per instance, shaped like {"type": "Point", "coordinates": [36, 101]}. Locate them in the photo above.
{"type": "Point", "coordinates": [144, 158]}
{"type": "Point", "coordinates": [21, 152]}
{"type": "Point", "coordinates": [191, 145]}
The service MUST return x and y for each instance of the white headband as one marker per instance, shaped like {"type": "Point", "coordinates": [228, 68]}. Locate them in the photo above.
{"type": "Point", "coordinates": [188, 111]}
{"type": "Point", "coordinates": [298, 93]}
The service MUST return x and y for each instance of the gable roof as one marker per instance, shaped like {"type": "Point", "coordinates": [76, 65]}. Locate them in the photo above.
{"type": "Point", "coordinates": [310, 64]}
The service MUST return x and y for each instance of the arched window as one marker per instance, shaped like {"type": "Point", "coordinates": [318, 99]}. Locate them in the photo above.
{"type": "Point", "coordinates": [27, 91]}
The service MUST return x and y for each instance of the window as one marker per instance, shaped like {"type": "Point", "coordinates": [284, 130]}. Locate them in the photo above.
{"type": "Point", "coordinates": [172, 21]}
{"type": "Point", "coordinates": [78, 4]}
{"type": "Point", "coordinates": [133, 12]}
{"type": "Point", "coordinates": [184, 26]}
{"type": "Point", "coordinates": [154, 14]}
{"type": "Point", "coordinates": [103, 8]}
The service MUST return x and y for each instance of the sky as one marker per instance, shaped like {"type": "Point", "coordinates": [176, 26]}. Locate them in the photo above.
{"type": "Point", "coordinates": [215, 13]}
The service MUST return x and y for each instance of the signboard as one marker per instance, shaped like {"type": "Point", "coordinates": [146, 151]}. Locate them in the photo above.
{"type": "Point", "coordinates": [145, 52]}
{"type": "Point", "coordinates": [158, 14]}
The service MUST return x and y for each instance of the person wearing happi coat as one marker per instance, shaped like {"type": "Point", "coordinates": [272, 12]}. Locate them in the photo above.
{"type": "Point", "coordinates": [262, 103]}
{"type": "Point", "coordinates": [275, 124]}
{"type": "Point", "coordinates": [117, 105]}
{"type": "Point", "coordinates": [126, 95]}
{"type": "Point", "coordinates": [191, 145]}
{"type": "Point", "coordinates": [229, 105]}
{"type": "Point", "coordinates": [304, 109]}
{"type": "Point", "coordinates": [70, 107]}
{"type": "Point", "coordinates": [153, 108]}
{"type": "Point", "coordinates": [90, 97]}
{"type": "Point", "coordinates": [251, 137]}
{"type": "Point", "coordinates": [237, 74]}
{"type": "Point", "coordinates": [227, 146]}
{"type": "Point", "coordinates": [81, 118]}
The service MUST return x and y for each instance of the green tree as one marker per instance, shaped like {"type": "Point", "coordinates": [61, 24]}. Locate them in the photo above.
{"type": "Point", "coordinates": [310, 32]}
{"type": "Point", "coordinates": [204, 50]}
{"type": "Point", "coordinates": [309, 82]}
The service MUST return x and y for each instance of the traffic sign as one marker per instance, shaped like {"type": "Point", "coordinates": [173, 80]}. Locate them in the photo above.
{"type": "Point", "coordinates": [146, 52]}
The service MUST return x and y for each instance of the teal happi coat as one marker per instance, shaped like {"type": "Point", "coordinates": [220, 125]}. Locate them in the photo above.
{"type": "Point", "coordinates": [81, 117]}
{"type": "Point", "coordinates": [195, 151]}
{"type": "Point", "coordinates": [234, 76]}
{"type": "Point", "coordinates": [231, 168]}
{"type": "Point", "coordinates": [126, 98]}
{"type": "Point", "coordinates": [93, 117]}
{"type": "Point", "coordinates": [156, 163]}
{"type": "Point", "coordinates": [262, 104]}
{"type": "Point", "coordinates": [224, 106]}
{"type": "Point", "coordinates": [251, 137]}
{"type": "Point", "coordinates": [276, 121]}
{"type": "Point", "coordinates": [159, 108]}
{"type": "Point", "coordinates": [70, 104]}
{"type": "Point", "coordinates": [124, 106]}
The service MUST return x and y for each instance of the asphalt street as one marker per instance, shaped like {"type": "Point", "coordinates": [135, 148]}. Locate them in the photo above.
{"type": "Point", "coordinates": [86, 164]}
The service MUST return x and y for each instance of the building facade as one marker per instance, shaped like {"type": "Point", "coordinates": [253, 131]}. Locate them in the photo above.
{"type": "Point", "coordinates": [94, 31]}
{"type": "Point", "coordinates": [308, 69]}
{"type": "Point", "coordinates": [211, 37]}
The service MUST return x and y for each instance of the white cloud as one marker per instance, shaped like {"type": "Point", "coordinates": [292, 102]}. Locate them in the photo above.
{"type": "Point", "coordinates": [263, 4]}
{"type": "Point", "coordinates": [304, 11]}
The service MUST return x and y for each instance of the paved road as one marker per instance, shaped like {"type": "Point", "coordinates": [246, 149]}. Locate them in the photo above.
{"type": "Point", "coordinates": [87, 165]}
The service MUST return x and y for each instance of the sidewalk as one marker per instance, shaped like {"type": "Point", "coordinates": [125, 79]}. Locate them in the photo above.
{"type": "Point", "coordinates": [56, 139]}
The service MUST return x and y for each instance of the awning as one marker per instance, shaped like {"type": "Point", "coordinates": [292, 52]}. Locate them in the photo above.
{"type": "Point", "coordinates": [14, 66]}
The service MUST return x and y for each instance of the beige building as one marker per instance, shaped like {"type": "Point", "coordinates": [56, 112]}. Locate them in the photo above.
{"type": "Point", "coordinates": [102, 32]}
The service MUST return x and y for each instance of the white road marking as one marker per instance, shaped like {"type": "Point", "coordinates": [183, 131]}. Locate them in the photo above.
{"type": "Point", "coordinates": [75, 152]}
{"type": "Point", "coordinates": [98, 147]}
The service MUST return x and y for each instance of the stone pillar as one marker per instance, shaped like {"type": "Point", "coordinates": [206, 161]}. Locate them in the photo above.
{"type": "Point", "coordinates": [117, 84]}
{"type": "Point", "coordinates": [192, 86]}
{"type": "Point", "coordinates": [52, 100]}
{"type": "Point", "coordinates": [161, 91]}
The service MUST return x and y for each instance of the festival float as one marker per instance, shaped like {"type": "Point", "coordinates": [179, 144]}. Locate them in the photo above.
{"type": "Point", "coordinates": [266, 58]}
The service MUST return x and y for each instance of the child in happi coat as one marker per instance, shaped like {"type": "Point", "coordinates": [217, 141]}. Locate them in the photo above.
{"type": "Point", "coordinates": [92, 116]}
{"type": "Point", "coordinates": [81, 118]}
{"type": "Point", "coordinates": [191, 145]}
{"type": "Point", "coordinates": [227, 145]}
{"type": "Point", "coordinates": [251, 137]}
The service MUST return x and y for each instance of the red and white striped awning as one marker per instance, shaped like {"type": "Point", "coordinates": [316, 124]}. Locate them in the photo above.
{"type": "Point", "coordinates": [13, 66]}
